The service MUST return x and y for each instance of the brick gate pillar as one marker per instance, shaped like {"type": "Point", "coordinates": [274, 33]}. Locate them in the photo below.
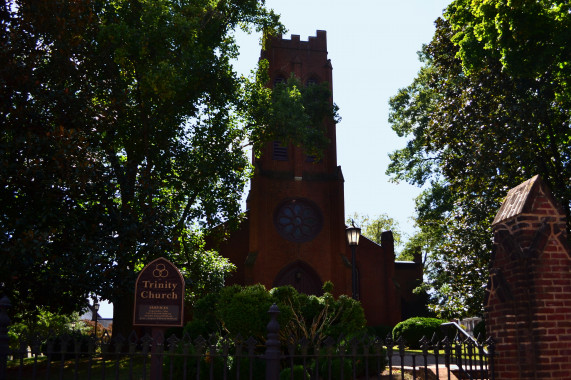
{"type": "Point", "coordinates": [528, 307]}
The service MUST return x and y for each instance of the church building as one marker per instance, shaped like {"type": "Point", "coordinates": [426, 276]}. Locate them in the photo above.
{"type": "Point", "coordinates": [294, 233]}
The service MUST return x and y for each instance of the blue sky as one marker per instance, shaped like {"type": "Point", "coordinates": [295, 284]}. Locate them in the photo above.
{"type": "Point", "coordinates": [373, 47]}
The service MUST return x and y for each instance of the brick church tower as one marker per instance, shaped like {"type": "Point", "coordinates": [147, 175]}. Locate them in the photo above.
{"type": "Point", "coordinates": [294, 233]}
{"type": "Point", "coordinates": [296, 204]}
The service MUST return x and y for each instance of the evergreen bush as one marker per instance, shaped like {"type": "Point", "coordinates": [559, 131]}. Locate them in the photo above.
{"type": "Point", "coordinates": [349, 316]}
{"type": "Point", "coordinates": [413, 329]}
{"type": "Point", "coordinates": [244, 311]}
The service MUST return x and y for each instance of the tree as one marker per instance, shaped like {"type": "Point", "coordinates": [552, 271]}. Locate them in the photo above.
{"type": "Point", "coordinates": [123, 127]}
{"type": "Point", "coordinates": [530, 39]}
{"type": "Point", "coordinates": [530, 43]}
{"type": "Point", "coordinates": [476, 130]}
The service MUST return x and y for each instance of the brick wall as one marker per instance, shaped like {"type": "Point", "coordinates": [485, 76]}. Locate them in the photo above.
{"type": "Point", "coordinates": [528, 310]}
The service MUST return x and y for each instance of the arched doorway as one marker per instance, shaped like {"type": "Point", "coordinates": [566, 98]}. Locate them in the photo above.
{"type": "Point", "coordinates": [302, 277]}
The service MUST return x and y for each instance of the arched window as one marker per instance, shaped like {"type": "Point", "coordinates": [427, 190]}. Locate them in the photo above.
{"type": "Point", "coordinates": [302, 277]}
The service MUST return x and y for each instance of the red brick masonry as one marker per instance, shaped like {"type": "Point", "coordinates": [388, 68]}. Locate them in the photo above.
{"type": "Point", "coordinates": [528, 310]}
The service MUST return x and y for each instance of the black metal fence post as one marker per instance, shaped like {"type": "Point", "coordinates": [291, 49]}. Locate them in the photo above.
{"type": "Point", "coordinates": [4, 347]}
{"type": "Point", "coordinates": [492, 352]}
{"type": "Point", "coordinates": [273, 345]}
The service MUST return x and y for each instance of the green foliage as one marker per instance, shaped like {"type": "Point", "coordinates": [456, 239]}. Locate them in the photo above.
{"type": "Point", "coordinates": [206, 268]}
{"type": "Point", "coordinates": [373, 228]}
{"type": "Point", "coordinates": [529, 38]}
{"type": "Point", "coordinates": [45, 324]}
{"type": "Point", "coordinates": [198, 327]}
{"type": "Point", "coordinates": [204, 310]}
{"type": "Point", "coordinates": [349, 316]}
{"type": "Point", "coordinates": [338, 368]}
{"type": "Point", "coordinates": [237, 310]}
{"type": "Point", "coordinates": [327, 287]}
{"type": "Point", "coordinates": [413, 329]}
{"type": "Point", "coordinates": [371, 364]}
{"type": "Point", "coordinates": [371, 360]}
{"type": "Point", "coordinates": [244, 310]}
{"type": "Point", "coordinates": [219, 363]}
{"type": "Point", "coordinates": [257, 364]}
{"type": "Point", "coordinates": [380, 331]}
{"type": "Point", "coordinates": [488, 110]}
{"type": "Point", "coordinates": [122, 129]}
{"type": "Point", "coordinates": [315, 318]}
{"type": "Point", "coordinates": [299, 373]}
{"type": "Point", "coordinates": [278, 113]}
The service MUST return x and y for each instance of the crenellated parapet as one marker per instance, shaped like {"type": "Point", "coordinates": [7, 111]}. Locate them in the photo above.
{"type": "Point", "coordinates": [313, 43]}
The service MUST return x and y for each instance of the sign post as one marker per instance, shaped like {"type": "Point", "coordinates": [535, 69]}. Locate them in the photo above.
{"type": "Point", "coordinates": [159, 303]}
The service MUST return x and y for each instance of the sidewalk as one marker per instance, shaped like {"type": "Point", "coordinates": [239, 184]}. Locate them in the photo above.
{"type": "Point", "coordinates": [417, 362]}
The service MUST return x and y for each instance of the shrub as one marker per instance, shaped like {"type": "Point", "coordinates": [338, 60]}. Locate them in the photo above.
{"type": "Point", "coordinates": [43, 324]}
{"type": "Point", "coordinates": [376, 361]}
{"type": "Point", "coordinates": [45, 327]}
{"type": "Point", "coordinates": [348, 314]}
{"type": "Point", "coordinates": [380, 331]}
{"type": "Point", "coordinates": [198, 327]}
{"type": "Point", "coordinates": [371, 361]}
{"type": "Point", "coordinates": [331, 368]}
{"type": "Point", "coordinates": [327, 287]}
{"type": "Point", "coordinates": [244, 310]}
{"type": "Point", "coordinates": [205, 321]}
{"type": "Point", "coordinates": [202, 367]}
{"type": "Point", "coordinates": [241, 368]}
{"type": "Point", "coordinates": [299, 373]}
{"type": "Point", "coordinates": [413, 329]}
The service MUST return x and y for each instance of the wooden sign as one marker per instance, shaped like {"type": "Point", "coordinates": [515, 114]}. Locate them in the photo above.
{"type": "Point", "coordinates": [159, 295]}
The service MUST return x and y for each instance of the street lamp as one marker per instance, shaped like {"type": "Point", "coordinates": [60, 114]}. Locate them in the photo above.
{"type": "Point", "coordinates": [94, 316]}
{"type": "Point", "coordinates": [353, 233]}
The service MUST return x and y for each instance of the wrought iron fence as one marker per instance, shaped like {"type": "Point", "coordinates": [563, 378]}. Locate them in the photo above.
{"type": "Point", "coordinates": [159, 357]}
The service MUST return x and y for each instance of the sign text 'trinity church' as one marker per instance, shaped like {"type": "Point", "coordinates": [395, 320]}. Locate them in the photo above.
{"type": "Point", "coordinates": [159, 295]}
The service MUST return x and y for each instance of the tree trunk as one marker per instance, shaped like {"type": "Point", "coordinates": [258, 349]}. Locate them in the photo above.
{"type": "Point", "coordinates": [123, 314]}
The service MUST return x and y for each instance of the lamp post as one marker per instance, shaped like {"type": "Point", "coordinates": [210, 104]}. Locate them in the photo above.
{"type": "Point", "coordinates": [353, 233]}
{"type": "Point", "coordinates": [94, 316]}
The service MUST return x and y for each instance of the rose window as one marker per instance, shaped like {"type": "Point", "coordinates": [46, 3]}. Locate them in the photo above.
{"type": "Point", "coordinates": [298, 220]}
